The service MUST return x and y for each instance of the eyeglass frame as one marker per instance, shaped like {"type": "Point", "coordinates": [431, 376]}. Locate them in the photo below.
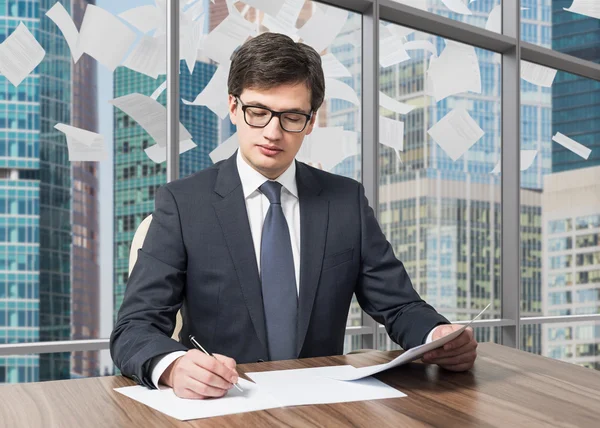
{"type": "Point", "coordinates": [274, 113]}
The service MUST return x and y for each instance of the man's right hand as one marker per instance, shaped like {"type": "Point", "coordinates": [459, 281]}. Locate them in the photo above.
{"type": "Point", "coordinates": [199, 376]}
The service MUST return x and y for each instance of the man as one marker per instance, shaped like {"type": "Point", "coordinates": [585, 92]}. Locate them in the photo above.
{"type": "Point", "coordinates": [263, 253]}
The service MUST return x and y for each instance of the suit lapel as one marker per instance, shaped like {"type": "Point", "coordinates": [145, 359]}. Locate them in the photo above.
{"type": "Point", "coordinates": [314, 215]}
{"type": "Point", "coordinates": [233, 218]}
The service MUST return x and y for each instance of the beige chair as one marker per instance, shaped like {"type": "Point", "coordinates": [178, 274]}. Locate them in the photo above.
{"type": "Point", "coordinates": [136, 244]}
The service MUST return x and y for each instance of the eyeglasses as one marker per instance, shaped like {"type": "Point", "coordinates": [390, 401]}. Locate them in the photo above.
{"type": "Point", "coordinates": [259, 117]}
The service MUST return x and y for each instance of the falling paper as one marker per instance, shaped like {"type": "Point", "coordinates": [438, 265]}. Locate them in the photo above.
{"type": "Point", "coordinates": [574, 146]}
{"type": "Point", "coordinates": [272, 7]}
{"type": "Point", "coordinates": [494, 21]}
{"type": "Point", "coordinates": [20, 54]}
{"type": "Point", "coordinates": [328, 146]}
{"type": "Point", "coordinates": [391, 51]}
{"type": "Point", "coordinates": [337, 89]}
{"type": "Point", "coordinates": [391, 104]}
{"type": "Point", "coordinates": [527, 157]}
{"type": "Point", "coordinates": [397, 30]}
{"type": "Point", "coordinates": [323, 27]}
{"type": "Point", "coordinates": [457, 6]}
{"type": "Point", "coordinates": [59, 15]}
{"type": "Point", "coordinates": [537, 74]}
{"type": "Point", "coordinates": [214, 95]}
{"type": "Point", "coordinates": [104, 37]}
{"type": "Point", "coordinates": [285, 21]}
{"type": "Point", "coordinates": [150, 115]}
{"type": "Point", "coordinates": [83, 145]}
{"type": "Point", "coordinates": [585, 7]}
{"type": "Point", "coordinates": [421, 44]}
{"type": "Point", "coordinates": [195, 11]}
{"type": "Point", "coordinates": [158, 154]}
{"type": "Point", "coordinates": [456, 133]}
{"type": "Point", "coordinates": [391, 133]}
{"type": "Point", "coordinates": [227, 36]}
{"type": "Point", "coordinates": [190, 44]}
{"type": "Point", "coordinates": [455, 71]}
{"type": "Point", "coordinates": [332, 67]}
{"type": "Point", "coordinates": [144, 18]}
{"type": "Point", "coordinates": [276, 26]}
{"type": "Point", "coordinates": [225, 149]}
{"type": "Point", "coordinates": [148, 57]}
{"type": "Point", "coordinates": [158, 91]}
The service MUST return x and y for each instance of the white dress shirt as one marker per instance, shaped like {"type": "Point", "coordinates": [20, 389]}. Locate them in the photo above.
{"type": "Point", "coordinates": [257, 206]}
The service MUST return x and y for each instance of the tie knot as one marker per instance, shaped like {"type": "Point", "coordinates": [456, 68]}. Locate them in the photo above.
{"type": "Point", "coordinates": [272, 190]}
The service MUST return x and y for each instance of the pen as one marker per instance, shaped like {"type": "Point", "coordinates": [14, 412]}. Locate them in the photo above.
{"type": "Point", "coordinates": [199, 347]}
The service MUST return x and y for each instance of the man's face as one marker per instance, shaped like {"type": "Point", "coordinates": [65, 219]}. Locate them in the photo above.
{"type": "Point", "coordinates": [271, 150]}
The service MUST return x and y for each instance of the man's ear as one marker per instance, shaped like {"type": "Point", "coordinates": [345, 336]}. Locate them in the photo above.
{"type": "Point", "coordinates": [311, 123]}
{"type": "Point", "coordinates": [233, 104]}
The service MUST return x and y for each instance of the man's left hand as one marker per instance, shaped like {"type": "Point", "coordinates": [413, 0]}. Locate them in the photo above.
{"type": "Point", "coordinates": [457, 355]}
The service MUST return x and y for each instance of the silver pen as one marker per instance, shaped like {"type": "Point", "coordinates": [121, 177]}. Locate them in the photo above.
{"type": "Point", "coordinates": [199, 347]}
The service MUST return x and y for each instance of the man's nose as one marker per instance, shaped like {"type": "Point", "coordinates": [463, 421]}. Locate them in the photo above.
{"type": "Point", "coordinates": [273, 130]}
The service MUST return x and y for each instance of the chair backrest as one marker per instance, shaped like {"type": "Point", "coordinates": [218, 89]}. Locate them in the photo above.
{"type": "Point", "coordinates": [136, 244]}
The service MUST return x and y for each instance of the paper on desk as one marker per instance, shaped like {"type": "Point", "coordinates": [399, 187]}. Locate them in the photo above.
{"type": "Point", "coordinates": [527, 157]}
{"type": "Point", "coordinates": [225, 149]}
{"type": "Point", "coordinates": [537, 74]}
{"type": "Point", "coordinates": [323, 27]}
{"type": "Point", "coordinates": [574, 146]}
{"type": "Point", "coordinates": [59, 15]}
{"type": "Point", "coordinates": [164, 400]}
{"type": "Point", "coordinates": [332, 67]}
{"type": "Point", "coordinates": [353, 373]}
{"type": "Point", "coordinates": [214, 94]}
{"type": "Point", "coordinates": [315, 386]}
{"type": "Point", "coordinates": [456, 132]}
{"type": "Point", "coordinates": [389, 103]}
{"type": "Point", "coordinates": [20, 54]}
{"type": "Point", "coordinates": [104, 37]}
{"type": "Point", "coordinates": [144, 18]}
{"type": "Point", "coordinates": [585, 7]}
{"type": "Point", "coordinates": [158, 154]}
{"type": "Point", "coordinates": [83, 145]}
{"type": "Point", "coordinates": [337, 89]}
{"type": "Point", "coordinates": [150, 115]}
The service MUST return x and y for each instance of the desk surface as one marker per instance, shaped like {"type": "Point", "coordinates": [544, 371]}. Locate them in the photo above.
{"type": "Point", "coordinates": [506, 388]}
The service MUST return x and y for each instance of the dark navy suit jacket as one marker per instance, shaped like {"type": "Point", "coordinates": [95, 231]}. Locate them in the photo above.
{"type": "Point", "coordinates": [199, 256]}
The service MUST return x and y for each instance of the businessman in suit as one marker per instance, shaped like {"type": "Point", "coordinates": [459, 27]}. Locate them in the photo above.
{"type": "Point", "coordinates": [262, 253]}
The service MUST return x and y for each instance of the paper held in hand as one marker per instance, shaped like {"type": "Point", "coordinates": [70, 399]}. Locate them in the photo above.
{"type": "Point", "coordinates": [353, 373]}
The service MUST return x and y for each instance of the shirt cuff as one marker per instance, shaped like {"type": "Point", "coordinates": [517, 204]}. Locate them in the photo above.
{"type": "Point", "coordinates": [429, 336]}
{"type": "Point", "coordinates": [163, 364]}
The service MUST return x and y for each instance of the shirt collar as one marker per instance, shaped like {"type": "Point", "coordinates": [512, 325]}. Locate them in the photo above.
{"type": "Point", "coordinates": [252, 179]}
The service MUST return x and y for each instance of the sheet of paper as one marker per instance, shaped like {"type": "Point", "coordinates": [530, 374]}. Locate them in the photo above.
{"type": "Point", "coordinates": [328, 146]}
{"type": "Point", "coordinates": [158, 154]}
{"type": "Point", "coordinates": [20, 54]}
{"type": "Point", "coordinates": [323, 27]}
{"type": "Point", "coordinates": [214, 94]}
{"type": "Point", "coordinates": [421, 44]}
{"type": "Point", "coordinates": [527, 157]}
{"type": "Point", "coordinates": [337, 89]}
{"type": "Point", "coordinates": [195, 11]}
{"type": "Point", "coordinates": [59, 15]}
{"type": "Point", "coordinates": [537, 74]}
{"type": "Point", "coordinates": [457, 6]}
{"type": "Point", "coordinates": [391, 133]}
{"type": "Point", "coordinates": [158, 91]}
{"type": "Point", "coordinates": [272, 7]}
{"type": "Point", "coordinates": [148, 57]}
{"type": "Point", "coordinates": [455, 71]}
{"type": "Point", "coordinates": [396, 106]}
{"type": "Point", "coordinates": [104, 37]}
{"type": "Point", "coordinates": [309, 386]}
{"type": "Point", "coordinates": [190, 43]}
{"type": "Point", "coordinates": [391, 51]}
{"type": "Point", "coordinates": [227, 36]}
{"type": "Point", "coordinates": [150, 115]}
{"type": "Point", "coordinates": [332, 67]}
{"type": "Point", "coordinates": [287, 15]}
{"type": "Point", "coordinates": [398, 30]}
{"type": "Point", "coordinates": [144, 18]}
{"type": "Point", "coordinates": [83, 145]}
{"type": "Point", "coordinates": [350, 373]}
{"type": "Point", "coordinates": [276, 26]}
{"type": "Point", "coordinates": [456, 132]}
{"type": "Point", "coordinates": [574, 146]}
{"type": "Point", "coordinates": [165, 401]}
{"type": "Point", "coordinates": [494, 21]}
{"type": "Point", "coordinates": [225, 149]}
{"type": "Point", "coordinates": [585, 7]}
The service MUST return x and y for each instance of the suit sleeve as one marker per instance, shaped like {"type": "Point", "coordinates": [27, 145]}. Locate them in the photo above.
{"type": "Point", "coordinates": [385, 291]}
{"type": "Point", "coordinates": [154, 294]}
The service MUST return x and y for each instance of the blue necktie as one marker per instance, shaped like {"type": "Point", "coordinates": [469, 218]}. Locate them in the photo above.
{"type": "Point", "coordinates": [278, 278]}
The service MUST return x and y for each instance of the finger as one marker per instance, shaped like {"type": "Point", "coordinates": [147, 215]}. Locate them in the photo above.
{"type": "Point", "coordinates": [465, 337]}
{"type": "Point", "coordinates": [229, 362]}
{"type": "Point", "coordinates": [459, 359]}
{"type": "Point", "coordinates": [213, 365]}
{"type": "Point", "coordinates": [188, 393]}
{"type": "Point", "coordinates": [203, 389]}
{"type": "Point", "coordinates": [209, 378]}
{"type": "Point", "coordinates": [441, 353]}
{"type": "Point", "coordinates": [458, 367]}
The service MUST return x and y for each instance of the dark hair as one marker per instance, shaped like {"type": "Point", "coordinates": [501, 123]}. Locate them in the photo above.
{"type": "Point", "coordinates": [273, 59]}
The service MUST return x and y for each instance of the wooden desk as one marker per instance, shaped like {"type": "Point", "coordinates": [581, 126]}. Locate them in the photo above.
{"type": "Point", "coordinates": [506, 388]}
